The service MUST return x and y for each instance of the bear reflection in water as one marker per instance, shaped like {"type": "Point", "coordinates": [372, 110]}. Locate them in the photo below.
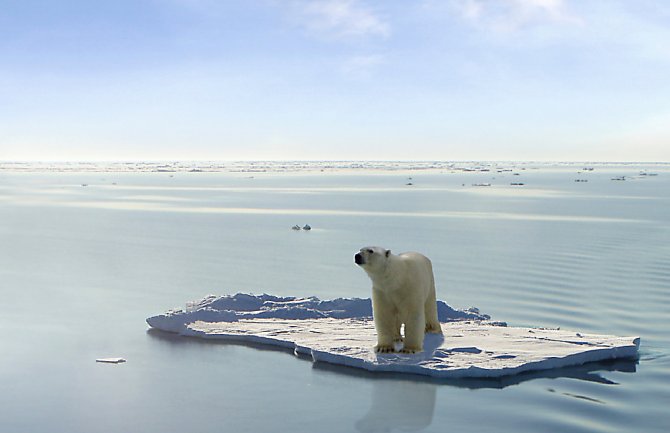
{"type": "Point", "coordinates": [413, 412]}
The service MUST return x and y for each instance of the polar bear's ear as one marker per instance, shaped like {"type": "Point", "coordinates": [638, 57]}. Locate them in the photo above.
{"type": "Point", "coordinates": [388, 252]}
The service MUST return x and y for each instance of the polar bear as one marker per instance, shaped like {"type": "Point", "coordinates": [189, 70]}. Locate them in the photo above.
{"type": "Point", "coordinates": [403, 292]}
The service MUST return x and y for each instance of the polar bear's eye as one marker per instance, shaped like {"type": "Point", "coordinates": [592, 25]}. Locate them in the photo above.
{"type": "Point", "coordinates": [370, 251]}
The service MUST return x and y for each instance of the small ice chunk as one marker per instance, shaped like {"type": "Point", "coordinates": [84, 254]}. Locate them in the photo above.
{"type": "Point", "coordinates": [111, 360]}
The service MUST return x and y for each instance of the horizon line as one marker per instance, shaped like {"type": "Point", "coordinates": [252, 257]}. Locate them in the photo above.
{"type": "Point", "coordinates": [272, 160]}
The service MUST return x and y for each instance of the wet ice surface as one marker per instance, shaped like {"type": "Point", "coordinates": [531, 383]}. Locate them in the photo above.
{"type": "Point", "coordinates": [342, 332]}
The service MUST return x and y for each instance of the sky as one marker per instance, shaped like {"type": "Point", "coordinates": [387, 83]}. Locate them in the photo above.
{"type": "Point", "coordinates": [552, 80]}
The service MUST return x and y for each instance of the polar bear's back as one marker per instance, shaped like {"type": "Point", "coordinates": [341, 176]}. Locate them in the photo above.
{"type": "Point", "coordinates": [415, 258]}
{"type": "Point", "coordinates": [418, 267]}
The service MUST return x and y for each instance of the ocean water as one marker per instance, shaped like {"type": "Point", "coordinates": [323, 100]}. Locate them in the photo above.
{"type": "Point", "coordinates": [86, 256]}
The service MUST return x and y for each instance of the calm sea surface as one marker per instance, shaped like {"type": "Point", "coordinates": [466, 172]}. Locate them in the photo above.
{"type": "Point", "coordinates": [81, 267]}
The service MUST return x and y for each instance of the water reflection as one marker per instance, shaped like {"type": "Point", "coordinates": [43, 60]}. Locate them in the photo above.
{"type": "Point", "coordinates": [399, 405]}
{"type": "Point", "coordinates": [405, 402]}
{"type": "Point", "coordinates": [157, 203]}
{"type": "Point", "coordinates": [408, 404]}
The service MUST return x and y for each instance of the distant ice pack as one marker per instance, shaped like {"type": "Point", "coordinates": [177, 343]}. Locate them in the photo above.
{"type": "Point", "coordinates": [341, 331]}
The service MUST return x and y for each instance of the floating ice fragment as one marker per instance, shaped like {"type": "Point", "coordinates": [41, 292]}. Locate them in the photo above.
{"type": "Point", "coordinates": [110, 360]}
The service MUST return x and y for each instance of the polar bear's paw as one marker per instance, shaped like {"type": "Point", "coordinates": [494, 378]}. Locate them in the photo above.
{"type": "Point", "coordinates": [410, 350]}
{"type": "Point", "coordinates": [384, 348]}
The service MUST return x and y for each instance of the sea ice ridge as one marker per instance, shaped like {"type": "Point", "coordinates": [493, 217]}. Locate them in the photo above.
{"type": "Point", "coordinates": [231, 308]}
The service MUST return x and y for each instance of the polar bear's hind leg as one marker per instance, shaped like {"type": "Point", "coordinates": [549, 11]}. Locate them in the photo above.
{"type": "Point", "coordinates": [432, 322]}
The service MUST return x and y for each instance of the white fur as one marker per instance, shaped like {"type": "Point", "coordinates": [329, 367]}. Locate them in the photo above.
{"type": "Point", "coordinates": [403, 292]}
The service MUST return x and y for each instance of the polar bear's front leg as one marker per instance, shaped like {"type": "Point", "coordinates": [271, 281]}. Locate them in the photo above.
{"type": "Point", "coordinates": [415, 328]}
{"type": "Point", "coordinates": [386, 322]}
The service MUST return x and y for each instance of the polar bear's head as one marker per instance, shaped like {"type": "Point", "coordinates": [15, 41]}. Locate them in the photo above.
{"type": "Point", "coordinates": [372, 259]}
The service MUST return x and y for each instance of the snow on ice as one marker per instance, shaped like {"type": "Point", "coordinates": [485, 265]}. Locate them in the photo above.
{"type": "Point", "coordinates": [342, 332]}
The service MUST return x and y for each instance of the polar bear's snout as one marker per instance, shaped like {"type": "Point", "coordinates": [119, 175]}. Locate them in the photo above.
{"type": "Point", "coordinates": [358, 259]}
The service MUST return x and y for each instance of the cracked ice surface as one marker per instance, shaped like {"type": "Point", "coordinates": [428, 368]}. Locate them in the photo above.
{"type": "Point", "coordinates": [471, 348]}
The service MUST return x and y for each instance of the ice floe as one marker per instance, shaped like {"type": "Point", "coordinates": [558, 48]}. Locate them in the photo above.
{"type": "Point", "coordinates": [342, 332]}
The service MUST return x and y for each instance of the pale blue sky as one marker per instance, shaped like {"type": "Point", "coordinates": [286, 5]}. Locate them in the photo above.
{"type": "Point", "coordinates": [335, 79]}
